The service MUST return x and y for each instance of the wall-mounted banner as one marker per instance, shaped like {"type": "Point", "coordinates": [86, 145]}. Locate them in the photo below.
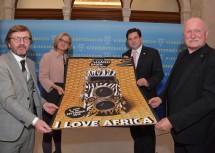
{"type": "Point", "coordinates": [102, 92]}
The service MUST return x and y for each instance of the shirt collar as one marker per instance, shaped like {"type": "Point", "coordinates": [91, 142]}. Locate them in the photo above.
{"type": "Point", "coordinates": [138, 50]}
{"type": "Point", "coordinates": [18, 58]}
{"type": "Point", "coordinates": [56, 53]}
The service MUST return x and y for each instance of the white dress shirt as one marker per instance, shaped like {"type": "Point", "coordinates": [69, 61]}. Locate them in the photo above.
{"type": "Point", "coordinates": [137, 54]}
{"type": "Point", "coordinates": [18, 59]}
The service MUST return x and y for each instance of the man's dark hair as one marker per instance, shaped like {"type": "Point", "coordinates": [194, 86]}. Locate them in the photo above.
{"type": "Point", "coordinates": [133, 30]}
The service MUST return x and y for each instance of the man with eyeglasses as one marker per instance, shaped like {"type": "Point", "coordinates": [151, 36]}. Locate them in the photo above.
{"type": "Point", "coordinates": [20, 102]}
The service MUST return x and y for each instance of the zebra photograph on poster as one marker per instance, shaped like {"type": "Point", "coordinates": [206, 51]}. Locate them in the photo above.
{"type": "Point", "coordinates": [102, 92]}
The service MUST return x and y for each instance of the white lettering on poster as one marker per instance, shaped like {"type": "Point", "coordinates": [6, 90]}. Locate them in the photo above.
{"type": "Point", "coordinates": [120, 122]}
{"type": "Point", "coordinates": [85, 124]}
{"type": "Point", "coordinates": [124, 122]}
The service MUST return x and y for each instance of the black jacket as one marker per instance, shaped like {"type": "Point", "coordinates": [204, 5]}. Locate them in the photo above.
{"type": "Point", "coordinates": [149, 66]}
{"type": "Point", "coordinates": [192, 112]}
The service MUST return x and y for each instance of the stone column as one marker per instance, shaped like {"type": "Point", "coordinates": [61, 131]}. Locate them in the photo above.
{"type": "Point", "coordinates": [126, 10]}
{"type": "Point", "coordinates": [2, 9]}
{"type": "Point", "coordinates": [208, 12]}
{"type": "Point", "coordinates": [185, 15]}
{"type": "Point", "coordinates": [196, 7]}
{"type": "Point", "coordinates": [9, 9]}
{"type": "Point", "coordinates": [67, 10]}
{"type": "Point", "coordinates": [185, 10]}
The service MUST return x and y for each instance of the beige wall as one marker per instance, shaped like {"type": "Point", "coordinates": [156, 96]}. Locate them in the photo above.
{"type": "Point", "coordinates": [208, 16]}
{"type": "Point", "coordinates": [161, 5]}
{"type": "Point", "coordinates": [54, 4]}
{"type": "Point", "coordinates": [1, 9]}
{"type": "Point", "coordinates": [147, 5]}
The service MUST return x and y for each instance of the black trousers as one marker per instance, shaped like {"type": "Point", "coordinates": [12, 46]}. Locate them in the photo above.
{"type": "Point", "coordinates": [55, 98]}
{"type": "Point", "coordinates": [208, 146]}
{"type": "Point", "coordinates": [144, 138]}
{"type": "Point", "coordinates": [47, 137]}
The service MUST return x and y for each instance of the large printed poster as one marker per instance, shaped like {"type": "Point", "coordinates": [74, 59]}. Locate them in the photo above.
{"type": "Point", "coordinates": [102, 92]}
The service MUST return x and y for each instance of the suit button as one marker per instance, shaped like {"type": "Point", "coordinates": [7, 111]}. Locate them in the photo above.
{"type": "Point", "coordinates": [22, 122]}
{"type": "Point", "coordinates": [28, 98]}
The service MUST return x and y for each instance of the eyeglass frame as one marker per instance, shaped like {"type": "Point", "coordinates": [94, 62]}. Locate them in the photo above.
{"type": "Point", "coordinates": [17, 39]}
{"type": "Point", "coordinates": [63, 41]}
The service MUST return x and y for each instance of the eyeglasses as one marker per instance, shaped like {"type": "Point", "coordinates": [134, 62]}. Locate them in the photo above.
{"type": "Point", "coordinates": [19, 39]}
{"type": "Point", "coordinates": [64, 41]}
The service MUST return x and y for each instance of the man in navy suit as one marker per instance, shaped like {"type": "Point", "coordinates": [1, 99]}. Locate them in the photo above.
{"type": "Point", "coordinates": [190, 94]}
{"type": "Point", "coordinates": [149, 74]}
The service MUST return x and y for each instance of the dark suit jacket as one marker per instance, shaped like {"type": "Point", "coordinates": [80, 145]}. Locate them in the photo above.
{"type": "Point", "coordinates": [149, 66]}
{"type": "Point", "coordinates": [192, 113]}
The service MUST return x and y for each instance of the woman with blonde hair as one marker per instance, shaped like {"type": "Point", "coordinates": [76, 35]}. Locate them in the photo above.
{"type": "Point", "coordinates": [52, 77]}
